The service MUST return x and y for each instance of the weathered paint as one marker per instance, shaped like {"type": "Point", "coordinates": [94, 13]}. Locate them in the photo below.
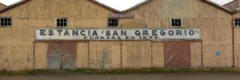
{"type": "Point", "coordinates": [82, 54]}
{"type": "Point", "coordinates": [69, 55]}
{"type": "Point", "coordinates": [40, 55]}
{"type": "Point", "coordinates": [55, 52]}
{"type": "Point", "coordinates": [177, 54]}
{"type": "Point", "coordinates": [17, 41]}
{"type": "Point", "coordinates": [236, 31]}
{"type": "Point", "coordinates": [196, 54]}
{"type": "Point", "coordinates": [62, 55]}
{"type": "Point", "coordinates": [104, 54]}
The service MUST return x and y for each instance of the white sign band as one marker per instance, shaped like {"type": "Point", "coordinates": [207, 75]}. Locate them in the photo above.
{"type": "Point", "coordinates": [118, 34]}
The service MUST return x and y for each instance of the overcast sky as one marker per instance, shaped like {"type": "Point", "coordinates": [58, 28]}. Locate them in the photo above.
{"type": "Point", "coordinates": [117, 4]}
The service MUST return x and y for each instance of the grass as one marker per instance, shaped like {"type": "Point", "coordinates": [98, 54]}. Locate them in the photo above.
{"type": "Point", "coordinates": [120, 71]}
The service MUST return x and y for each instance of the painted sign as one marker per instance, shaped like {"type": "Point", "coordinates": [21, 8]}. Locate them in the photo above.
{"type": "Point", "coordinates": [118, 34]}
{"type": "Point", "coordinates": [120, 15]}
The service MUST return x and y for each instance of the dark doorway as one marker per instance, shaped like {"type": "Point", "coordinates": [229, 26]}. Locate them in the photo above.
{"type": "Point", "coordinates": [177, 54]}
{"type": "Point", "coordinates": [61, 55]}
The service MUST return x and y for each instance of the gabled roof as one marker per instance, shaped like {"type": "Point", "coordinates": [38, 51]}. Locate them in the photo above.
{"type": "Point", "coordinates": [117, 11]}
{"type": "Point", "coordinates": [14, 5]}
{"type": "Point", "coordinates": [233, 5]}
{"type": "Point", "coordinates": [229, 3]}
{"type": "Point", "coordinates": [218, 6]}
{"type": "Point", "coordinates": [146, 1]}
{"type": "Point", "coordinates": [2, 5]}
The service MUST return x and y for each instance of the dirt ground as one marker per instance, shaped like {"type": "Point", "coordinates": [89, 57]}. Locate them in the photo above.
{"type": "Point", "coordinates": [163, 76]}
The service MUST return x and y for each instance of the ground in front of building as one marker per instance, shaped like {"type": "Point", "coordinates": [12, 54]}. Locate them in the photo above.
{"type": "Point", "coordinates": [162, 76]}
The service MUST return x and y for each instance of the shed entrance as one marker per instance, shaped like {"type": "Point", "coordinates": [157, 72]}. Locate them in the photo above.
{"type": "Point", "coordinates": [61, 55]}
{"type": "Point", "coordinates": [177, 54]}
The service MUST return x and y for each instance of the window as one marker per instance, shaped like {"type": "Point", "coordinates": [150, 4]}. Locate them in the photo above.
{"type": "Point", "coordinates": [237, 22]}
{"type": "Point", "coordinates": [61, 22]}
{"type": "Point", "coordinates": [112, 22]}
{"type": "Point", "coordinates": [176, 22]}
{"type": "Point", "coordinates": [6, 22]}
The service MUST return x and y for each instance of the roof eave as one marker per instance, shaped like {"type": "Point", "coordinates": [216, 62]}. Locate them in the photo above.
{"type": "Point", "coordinates": [218, 6]}
{"type": "Point", "coordinates": [3, 4]}
{"type": "Point", "coordinates": [13, 5]}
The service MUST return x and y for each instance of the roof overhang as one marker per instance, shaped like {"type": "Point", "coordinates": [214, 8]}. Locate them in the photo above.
{"type": "Point", "coordinates": [218, 6]}
{"type": "Point", "coordinates": [14, 5]}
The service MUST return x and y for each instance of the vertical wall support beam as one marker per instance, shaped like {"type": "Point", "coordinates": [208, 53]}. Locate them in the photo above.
{"type": "Point", "coordinates": [233, 44]}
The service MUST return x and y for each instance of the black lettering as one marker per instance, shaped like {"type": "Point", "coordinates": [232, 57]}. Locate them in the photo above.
{"type": "Point", "coordinates": [89, 32]}
{"type": "Point", "coordinates": [85, 37]}
{"type": "Point", "coordinates": [132, 37]}
{"type": "Point", "coordinates": [102, 38]}
{"type": "Point", "coordinates": [83, 33]}
{"type": "Point", "coordinates": [50, 33]}
{"type": "Point", "coordinates": [42, 32]}
{"type": "Point", "coordinates": [75, 33]}
{"type": "Point", "coordinates": [59, 32]}
{"type": "Point", "coordinates": [162, 32]}
{"type": "Point", "coordinates": [127, 37]}
{"type": "Point", "coordinates": [145, 33]}
{"type": "Point", "coordinates": [154, 32]}
{"type": "Point", "coordinates": [150, 37]}
{"type": "Point", "coordinates": [178, 32]}
{"type": "Point", "coordinates": [185, 32]}
{"type": "Point", "coordinates": [191, 32]}
{"type": "Point", "coordinates": [108, 37]}
{"type": "Point", "coordinates": [137, 32]}
{"type": "Point", "coordinates": [91, 38]}
{"type": "Point", "coordinates": [115, 33]}
{"type": "Point", "coordinates": [66, 33]}
{"type": "Point", "coordinates": [94, 33]}
{"type": "Point", "coordinates": [97, 37]}
{"type": "Point", "coordinates": [108, 33]}
{"type": "Point", "coordinates": [113, 38]}
{"type": "Point", "coordinates": [145, 37]}
{"type": "Point", "coordinates": [170, 32]}
{"type": "Point", "coordinates": [124, 33]}
{"type": "Point", "coordinates": [119, 38]}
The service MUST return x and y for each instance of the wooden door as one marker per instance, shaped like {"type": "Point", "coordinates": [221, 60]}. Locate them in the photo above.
{"type": "Point", "coordinates": [61, 55]}
{"type": "Point", "coordinates": [69, 55]}
{"type": "Point", "coordinates": [177, 54]}
{"type": "Point", "coordinates": [54, 55]}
